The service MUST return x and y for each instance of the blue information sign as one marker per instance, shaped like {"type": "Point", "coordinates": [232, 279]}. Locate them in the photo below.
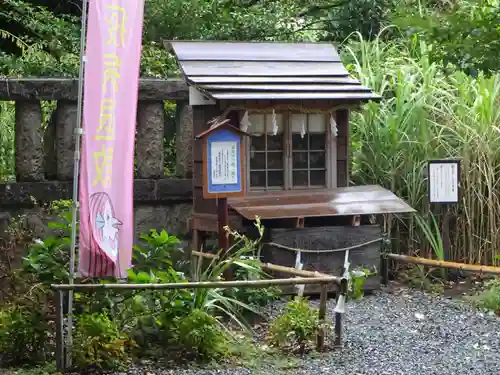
{"type": "Point", "coordinates": [223, 166]}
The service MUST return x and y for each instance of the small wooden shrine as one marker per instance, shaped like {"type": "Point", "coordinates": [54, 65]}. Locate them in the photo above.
{"type": "Point", "coordinates": [294, 102]}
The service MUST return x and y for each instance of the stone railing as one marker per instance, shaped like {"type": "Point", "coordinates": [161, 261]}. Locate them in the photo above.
{"type": "Point", "coordinates": [48, 154]}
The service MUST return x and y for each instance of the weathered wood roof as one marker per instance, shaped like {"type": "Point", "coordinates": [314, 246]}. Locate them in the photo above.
{"type": "Point", "coordinates": [346, 201]}
{"type": "Point", "coordinates": [264, 70]}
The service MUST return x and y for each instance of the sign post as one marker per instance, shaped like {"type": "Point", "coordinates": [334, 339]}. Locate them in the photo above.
{"type": "Point", "coordinates": [444, 190]}
{"type": "Point", "coordinates": [223, 170]}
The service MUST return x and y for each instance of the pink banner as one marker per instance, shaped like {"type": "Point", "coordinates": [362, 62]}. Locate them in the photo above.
{"type": "Point", "coordinates": [109, 115]}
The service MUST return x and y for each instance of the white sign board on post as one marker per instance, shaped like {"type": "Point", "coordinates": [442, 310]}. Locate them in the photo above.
{"type": "Point", "coordinates": [224, 169]}
{"type": "Point", "coordinates": [444, 181]}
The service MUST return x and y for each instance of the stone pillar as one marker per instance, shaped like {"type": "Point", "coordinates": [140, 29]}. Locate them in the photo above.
{"type": "Point", "coordinates": [149, 153]}
{"type": "Point", "coordinates": [184, 140]}
{"type": "Point", "coordinates": [28, 141]}
{"type": "Point", "coordinates": [65, 123]}
{"type": "Point", "coordinates": [49, 149]}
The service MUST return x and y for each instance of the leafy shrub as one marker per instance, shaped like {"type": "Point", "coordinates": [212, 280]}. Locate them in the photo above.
{"type": "Point", "coordinates": [155, 253]}
{"type": "Point", "coordinates": [296, 327]}
{"type": "Point", "coordinates": [490, 298]}
{"type": "Point", "coordinates": [255, 297]}
{"type": "Point", "coordinates": [201, 335]}
{"type": "Point", "coordinates": [48, 259]}
{"type": "Point", "coordinates": [23, 334]}
{"type": "Point", "coordinates": [357, 281]}
{"type": "Point", "coordinates": [98, 342]}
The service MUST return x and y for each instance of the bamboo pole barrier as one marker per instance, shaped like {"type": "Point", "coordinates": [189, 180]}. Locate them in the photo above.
{"type": "Point", "coordinates": [444, 264]}
{"type": "Point", "coordinates": [322, 317]}
{"type": "Point", "coordinates": [271, 267]}
{"type": "Point", "coordinates": [203, 284]}
{"type": "Point", "coordinates": [61, 360]}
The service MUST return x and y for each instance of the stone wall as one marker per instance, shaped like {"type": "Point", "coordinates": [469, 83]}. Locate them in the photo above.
{"type": "Point", "coordinates": [161, 204]}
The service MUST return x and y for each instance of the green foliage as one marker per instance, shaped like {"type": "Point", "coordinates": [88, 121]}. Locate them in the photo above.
{"type": "Point", "coordinates": [253, 297]}
{"type": "Point", "coordinates": [343, 18]}
{"type": "Point", "coordinates": [296, 327]}
{"type": "Point", "coordinates": [98, 342]}
{"type": "Point", "coordinates": [357, 280]}
{"type": "Point", "coordinates": [23, 335]}
{"type": "Point", "coordinates": [48, 368]}
{"type": "Point", "coordinates": [428, 114]}
{"type": "Point", "coordinates": [61, 207]}
{"type": "Point", "coordinates": [201, 335]}
{"type": "Point", "coordinates": [489, 298]}
{"type": "Point", "coordinates": [156, 251]}
{"type": "Point", "coordinates": [465, 33]}
{"type": "Point", "coordinates": [48, 259]}
{"type": "Point", "coordinates": [420, 277]}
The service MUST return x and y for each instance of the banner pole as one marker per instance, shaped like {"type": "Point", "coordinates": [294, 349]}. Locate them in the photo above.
{"type": "Point", "coordinates": [76, 175]}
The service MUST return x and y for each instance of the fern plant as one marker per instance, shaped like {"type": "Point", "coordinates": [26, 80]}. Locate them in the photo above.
{"type": "Point", "coordinates": [4, 34]}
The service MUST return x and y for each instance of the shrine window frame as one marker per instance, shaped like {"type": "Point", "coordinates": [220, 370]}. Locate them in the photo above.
{"type": "Point", "coordinates": [302, 155]}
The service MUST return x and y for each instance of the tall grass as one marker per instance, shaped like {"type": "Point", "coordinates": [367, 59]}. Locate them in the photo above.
{"type": "Point", "coordinates": [429, 111]}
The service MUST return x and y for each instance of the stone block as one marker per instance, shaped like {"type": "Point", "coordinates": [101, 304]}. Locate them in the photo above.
{"type": "Point", "coordinates": [65, 123]}
{"type": "Point", "coordinates": [28, 139]}
{"type": "Point", "coordinates": [184, 140]}
{"type": "Point", "coordinates": [49, 149]}
{"type": "Point", "coordinates": [165, 191]}
{"type": "Point", "coordinates": [67, 89]}
{"type": "Point", "coordinates": [149, 139]}
{"type": "Point", "coordinates": [168, 189]}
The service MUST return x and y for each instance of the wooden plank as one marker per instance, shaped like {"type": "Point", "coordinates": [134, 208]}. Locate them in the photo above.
{"type": "Point", "coordinates": [361, 96]}
{"type": "Point", "coordinates": [208, 222]}
{"type": "Point", "coordinates": [201, 116]}
{"type": "Point", "coordinates": [279, 87]}
{"type": "Point", "coordinates": [271, 79]}
{"type": "Point", "coordinates": [253, 51]}
{"type": "Point", "coordinates": [342, 117]}
{"type": "Point", "coordinates": [342, 148]}
{"type": "Point", "coordinates": [342, 179]}
{"type": "Point", "coordinates": [201, 205]}
{"type": "Point", "coordinates": [198, 174]}
{"type": "Point", "coordinates": [262, 68]}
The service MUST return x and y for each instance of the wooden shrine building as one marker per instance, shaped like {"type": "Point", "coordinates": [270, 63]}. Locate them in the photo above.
{"type": "Point", "coordinates": [294, 101]}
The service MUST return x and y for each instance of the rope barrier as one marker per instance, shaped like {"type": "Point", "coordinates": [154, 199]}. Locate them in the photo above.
{"type": "Point", "coordinates": [323, 250]}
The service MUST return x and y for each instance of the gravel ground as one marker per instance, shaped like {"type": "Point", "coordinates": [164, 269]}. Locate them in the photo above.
{"type": "Point", "coordinates": [409, 333]}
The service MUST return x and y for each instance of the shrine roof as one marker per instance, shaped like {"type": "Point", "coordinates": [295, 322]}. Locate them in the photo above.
{"type": "Point", "coordinates": [267, 70]}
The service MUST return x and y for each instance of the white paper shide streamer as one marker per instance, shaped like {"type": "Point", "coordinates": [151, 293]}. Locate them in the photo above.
{"type": "Point", "coordinates": [303, 129]}
{"type": "Point", "coordinates": [275, 123]}
{"type": "Point", "coordinates": [245, 122]}
{"type": "Point", "coordinates": [333, 126]}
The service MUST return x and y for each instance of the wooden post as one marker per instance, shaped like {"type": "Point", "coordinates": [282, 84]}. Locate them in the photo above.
{"type": "Point", "coordinates": [195, 260]}
{"type": "Point", "coordinates": [60, 347]}
{"type": "Point", "coordinates": [322, 317]}
{"type": "Point", "coordinates": [223, 220]}
{"type": "Point", "coordinates": [445, 237]}
{"type": "Point", "coordinates": [384, 268]}
{"type": "Point", "coordinates": [338, 330]}
{"type": "Point", "coordinates": [223, 172]}
{"type": "Point", "coordinates": [342, 290]}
